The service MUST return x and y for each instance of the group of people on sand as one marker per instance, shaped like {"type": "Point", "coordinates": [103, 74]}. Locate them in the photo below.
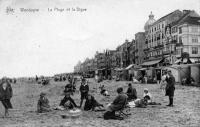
{"type": "Point", "coordinates": [129, 98]}
{"type": "Point", "coordinates": [122, 100]}
{"type": "Point", "coordinates": [68, 102]}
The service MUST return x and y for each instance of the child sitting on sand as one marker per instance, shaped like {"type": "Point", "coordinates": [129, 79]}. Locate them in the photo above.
{"type": "Point", "coordinates": [67, 102]}
{"type": "Point", "coordinates": [43, 104]}
{"type": "Point", "coordinates": [103, 91]}
{"type": "Point", "coordinates": [91, 103]}
{"type": "Point", "coordinates": [148, 95]}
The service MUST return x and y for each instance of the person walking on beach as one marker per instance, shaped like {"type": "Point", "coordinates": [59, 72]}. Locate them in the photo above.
{"type": "Point", "coordinates": [6, 94]}
{"type": "Point", "coordinates": [170, 87]}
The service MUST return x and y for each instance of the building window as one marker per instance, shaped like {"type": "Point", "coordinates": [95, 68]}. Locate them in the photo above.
{"type": "Point", "coordinates": [180, 30]}
{"type": "Point", "coordinates": [194, 29]}
{"type": "Point", "coordinates": [194, 50]}
{"type": "Point", "coordinates": [180, 39]}
{"type": "Point", "coordinates": [194, 40]}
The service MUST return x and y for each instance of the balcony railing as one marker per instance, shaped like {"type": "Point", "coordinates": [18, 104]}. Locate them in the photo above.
{"type": "Point", "coordinates": [179, 44]}
{"type": "Point", "coordinates": [159, 46]}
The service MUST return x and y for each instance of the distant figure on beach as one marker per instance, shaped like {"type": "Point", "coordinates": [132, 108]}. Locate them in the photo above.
{"type": "Point", "coordinates": [158, 77]}
{"type": "Point", "coordinates": [170, 87]}
{"type": "Point", "coordinates": [131, 92]}
{"type": "Point", "coordinates": [118, 104]}
{"type": "Point", "coordinates": [84, 89]}
{"type": "Point", "coordinates": [91, 103]}
{"type": "Point", "coordinates": [103, 91]}
{"type": "Point", "coordinates": [43, 104]}
{"type": "Point", "coordinates": [6, 94]}
{"type": "Point", "coordinates": [36, 78]}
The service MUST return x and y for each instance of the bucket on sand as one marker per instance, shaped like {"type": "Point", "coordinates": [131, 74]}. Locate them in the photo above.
{"type": "Point", "coordinates": [74, 113]}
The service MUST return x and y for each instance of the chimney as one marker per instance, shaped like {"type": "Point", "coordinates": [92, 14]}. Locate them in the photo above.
{"type": "Point", "coordinates": [186, 11]}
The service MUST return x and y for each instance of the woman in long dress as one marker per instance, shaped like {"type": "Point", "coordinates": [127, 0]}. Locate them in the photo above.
{"type": "Point", "coordinates": [6, 94]}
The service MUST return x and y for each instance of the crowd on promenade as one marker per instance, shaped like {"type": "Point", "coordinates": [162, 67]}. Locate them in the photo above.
{"type": "Point", "coordinates": [122, 101]}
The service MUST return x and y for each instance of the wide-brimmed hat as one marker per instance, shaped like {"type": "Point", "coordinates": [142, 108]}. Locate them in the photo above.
{"type": "Point", "coordinates": [42, 94]}
{"type": "Point", "coordinates": [145, 89]}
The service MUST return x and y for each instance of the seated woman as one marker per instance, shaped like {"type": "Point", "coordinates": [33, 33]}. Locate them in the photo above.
{"type": "Point", "coordinates": [118, 104]}
{"type": "Point", "coordinates": [91, 103]}
{"type": "Point", "coordinates": [67, 102]}
{"type": "Point", "coordinates": [131, 93]}
{"type": "Point", "coordinates": [43, 104]}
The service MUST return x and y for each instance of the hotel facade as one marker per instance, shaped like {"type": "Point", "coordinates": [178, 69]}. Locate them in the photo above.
{"type": "Point", "coordinates": [171, 36]}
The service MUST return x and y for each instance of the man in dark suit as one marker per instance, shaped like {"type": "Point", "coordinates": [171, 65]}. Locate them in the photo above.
{"type": "Point", "coordinates": [170, 87]}
{"type": "Point", "coordinates": [84, 89]}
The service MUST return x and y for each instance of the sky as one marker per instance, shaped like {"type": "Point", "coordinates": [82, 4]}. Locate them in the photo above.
{"type": "Point", "coordinates": [48, 43]}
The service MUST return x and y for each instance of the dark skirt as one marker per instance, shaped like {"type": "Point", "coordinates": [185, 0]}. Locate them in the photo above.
{"type": "Point", "coordinates": [170, 91]}
{"type": "Point", "coordinates": [7, 104]}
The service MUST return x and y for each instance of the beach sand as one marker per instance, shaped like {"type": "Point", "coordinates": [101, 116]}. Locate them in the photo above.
{"type": "Point", "coordinates": [185, 113]}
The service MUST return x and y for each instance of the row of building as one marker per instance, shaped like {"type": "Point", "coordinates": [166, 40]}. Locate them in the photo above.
{"type": "Point", "coordinates": [172, 39]}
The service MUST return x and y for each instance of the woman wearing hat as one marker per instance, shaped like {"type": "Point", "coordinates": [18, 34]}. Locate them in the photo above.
{"type": "Point", "coordinates": [118, 104]}
{"type": "Point", "coordinates": [6, 94]}
{"type": "Point", "coordinates": [43, 103]}
{"type": "Point", "coordinates": [170, 87]}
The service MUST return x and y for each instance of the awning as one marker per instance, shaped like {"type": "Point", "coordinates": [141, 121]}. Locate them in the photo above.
{"type": "Point", "coordinates": [119, 69]}
{"type": "Point", "coordinates": [151, 62]}
{"type": "Point", "coordinates": [177, 61]}
{"type": "Point", "coordinates": [130, 66]}
{"type": "Point", "coordinates": [142, 69]}
{"type": "Point", "coordinates": [101, 69]}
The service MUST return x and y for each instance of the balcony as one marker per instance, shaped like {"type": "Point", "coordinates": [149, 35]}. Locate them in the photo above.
{"type": "Point", "coordinates": [166, 52]}
{"type": "Point", "coordinates": [179, 44]}
{"type": "Point", "coordinates": [146, 49]}
{"type": "Point", "coordinates": [157, 56]}
{"type": "Point", "coordinates": [159, 46]}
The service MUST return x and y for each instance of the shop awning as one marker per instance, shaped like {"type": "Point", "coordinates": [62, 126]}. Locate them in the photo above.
{"type": "Point", "coordinates": [119, 69]}
{"type": "Point", "coordinates": [101, 69]}
{"type": "Point", "coordinates": [177, 61]}
{"type": "Point", "coordinates": [151, 62]}
{"type": "Point", "coordinates": [130, 66]}
{"type": "Point", "coordinates": [142, 69]}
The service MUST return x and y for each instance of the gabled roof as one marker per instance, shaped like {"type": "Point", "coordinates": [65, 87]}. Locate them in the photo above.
{"type": "Point", "coordinates": [166, 16]}
{"type": "Point", "coordinates": [189, 17]}
{"type": "Point", "coordinates": [191, 20]}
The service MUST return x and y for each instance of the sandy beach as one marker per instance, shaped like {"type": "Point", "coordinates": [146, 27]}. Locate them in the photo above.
{"type": "Point", "coordinates": [185, 113]}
